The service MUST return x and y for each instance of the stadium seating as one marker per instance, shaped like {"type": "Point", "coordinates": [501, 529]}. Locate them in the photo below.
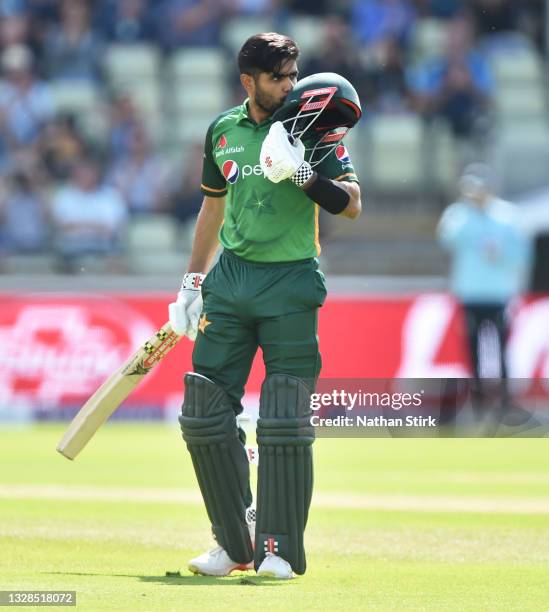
{"type": "Point", "coordinates": [199, 63]}
{"type": "Point", "coordinates": [307, 31]}
{"type": "Point", "coordinates": [517, 67]}
{"type": "Point", "coordinates": [238, 29]}
{"type": "Point", "coordinates": [152, 245]}
{"type": "Point", "coordinates": [204, 97]}
{"type": "Point", "coordinates": [75, 97]}
{"type": "Point", "coordinates": [83, 100]}
{"type": "Point", "coordinates": [427, 39]}
{"type": "Point", "coordinates": [521, 157]}
{"type": "Point", "coordinates": [131, 63]}
{"type": "Point", "coordinates": [396, 144]}
{"type": "Point", "coordinates": [524, 103]}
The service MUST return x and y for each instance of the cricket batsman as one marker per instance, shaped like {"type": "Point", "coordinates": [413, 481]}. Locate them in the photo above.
{"type": "Point", "coordinates": [269, 164]}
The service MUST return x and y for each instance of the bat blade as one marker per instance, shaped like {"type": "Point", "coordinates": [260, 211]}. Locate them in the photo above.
{"type": "Point", "coordinates": [115, 390]}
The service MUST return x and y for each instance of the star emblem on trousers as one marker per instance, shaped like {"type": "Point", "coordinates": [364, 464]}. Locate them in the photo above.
{"type": "Point", "coordinates": [203, 323]}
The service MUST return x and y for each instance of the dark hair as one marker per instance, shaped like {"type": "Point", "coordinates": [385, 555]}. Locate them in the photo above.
{"type": "Point", "coordinates": [266, 52]}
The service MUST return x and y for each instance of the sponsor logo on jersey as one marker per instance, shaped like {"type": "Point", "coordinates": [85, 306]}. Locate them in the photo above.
{"type": "Point", "coordinates": [248, 170]}
{"type": "Point", "coordinates": [222, 142]}
{"type": "Point", "coordinates": [342, 154]}
{"type": "Point", "coordinates": [228, 150]}
{"type": "Point", "coordinates": [230, 171]}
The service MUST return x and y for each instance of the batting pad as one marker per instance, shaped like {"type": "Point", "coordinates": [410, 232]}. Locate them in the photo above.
{"type": "Point", "coordinates": [220, 462]}
{"type": "Point", "coordinates": [285, 479]}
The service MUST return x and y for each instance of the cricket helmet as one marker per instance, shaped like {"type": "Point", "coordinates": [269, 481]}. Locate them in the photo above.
{"type": "Point", "coordinates": [320, 110]}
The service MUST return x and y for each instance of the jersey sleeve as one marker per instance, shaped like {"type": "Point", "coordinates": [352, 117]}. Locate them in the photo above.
{"type": "Point", "coordinates": [338, 165]}
{"type": "Point", "coordinates": [213, 183]}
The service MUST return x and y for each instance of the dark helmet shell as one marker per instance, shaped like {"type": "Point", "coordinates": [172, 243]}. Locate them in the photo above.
{"type": "Point", "coordinates": [320, 110]}
{"type": "Point", "coordinates": [329, 96]}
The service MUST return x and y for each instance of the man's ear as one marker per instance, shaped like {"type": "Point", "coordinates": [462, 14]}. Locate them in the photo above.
{"type": "Point", "coordinates": [248, 83]}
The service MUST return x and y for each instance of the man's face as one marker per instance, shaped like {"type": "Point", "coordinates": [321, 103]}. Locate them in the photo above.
{"type": "Point", "coordinates": [270, 89]}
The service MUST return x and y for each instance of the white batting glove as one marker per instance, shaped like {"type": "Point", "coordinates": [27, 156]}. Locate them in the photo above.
{"type": "Point", "coordinates": [185, 311]}
{"type": "Point", "coordinates": [279, 158]}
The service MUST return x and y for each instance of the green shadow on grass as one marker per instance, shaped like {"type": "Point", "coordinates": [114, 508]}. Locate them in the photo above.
{"type": "Point", "coordinates": [192, 580]}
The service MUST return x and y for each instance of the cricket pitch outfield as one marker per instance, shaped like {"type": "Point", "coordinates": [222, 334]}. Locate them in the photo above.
{"type": "Point", "coordinates": [395, 524]}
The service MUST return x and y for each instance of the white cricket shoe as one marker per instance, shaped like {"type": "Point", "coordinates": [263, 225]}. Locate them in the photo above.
{"type": "Point", "coordinates": [275, 567]}
{"type": "Point", "coordinates": [216, 562]}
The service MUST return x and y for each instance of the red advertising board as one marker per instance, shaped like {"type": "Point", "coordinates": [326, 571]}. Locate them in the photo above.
{"type": "Point", "coordinates": [58, 348]}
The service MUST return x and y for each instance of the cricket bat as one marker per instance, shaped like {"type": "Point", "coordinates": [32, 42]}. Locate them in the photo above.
{"type": "Point", "coordinates": [115, 390]}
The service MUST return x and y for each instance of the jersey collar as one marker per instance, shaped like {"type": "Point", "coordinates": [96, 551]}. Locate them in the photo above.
{"type": "Point", "coordinates": [244, 116]}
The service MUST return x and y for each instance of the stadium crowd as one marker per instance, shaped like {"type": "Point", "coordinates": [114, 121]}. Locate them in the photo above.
{"type": "Point", "coordinates": [61, 190]}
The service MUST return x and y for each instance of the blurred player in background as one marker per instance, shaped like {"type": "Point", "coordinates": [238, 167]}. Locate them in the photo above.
{"type": "Point", "coordinates": [490, 262]}
{"type": "Point", "coordinates": [265, 291]}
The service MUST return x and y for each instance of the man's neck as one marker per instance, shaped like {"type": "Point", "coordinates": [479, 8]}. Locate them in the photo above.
{"type": "Point", "coordinates": [256, 113]}
{"type": "Point", "coordinates": [481, 202]}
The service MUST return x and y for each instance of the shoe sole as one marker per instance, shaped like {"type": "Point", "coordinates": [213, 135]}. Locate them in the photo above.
{"type": "Point", "coordinates": [197, 571]}
{"type": "Point", "coordinates": [269, 574]}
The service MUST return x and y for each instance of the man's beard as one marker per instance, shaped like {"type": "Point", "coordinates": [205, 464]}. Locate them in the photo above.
{"type": "Point", "coordinates": [266, 103]}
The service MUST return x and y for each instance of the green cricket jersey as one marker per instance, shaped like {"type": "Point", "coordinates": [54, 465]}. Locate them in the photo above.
{"type": "Point", "coordinates": [263, 221]}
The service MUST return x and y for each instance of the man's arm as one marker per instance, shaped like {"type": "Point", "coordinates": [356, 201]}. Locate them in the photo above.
{"type": "Point", "coordinates": [451, 228]}
{"type": "Point", "coordinates": [354, 207]}
{"type": "Point", "coordinates": [337, 197]}
{"type": "Point", "coordinates": [205, 242]}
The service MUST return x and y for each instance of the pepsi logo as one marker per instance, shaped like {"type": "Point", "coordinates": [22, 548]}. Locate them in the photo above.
{"type": "Point", "coordinates": [342, 154]}
{"type": "Point", "coordinates": [222, 142]}
{"type": "Point", "coordinates": [230, 171]}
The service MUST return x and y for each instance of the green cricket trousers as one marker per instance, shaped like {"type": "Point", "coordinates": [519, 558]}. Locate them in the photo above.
{"type": "Point", "coordinates": [253, 304]}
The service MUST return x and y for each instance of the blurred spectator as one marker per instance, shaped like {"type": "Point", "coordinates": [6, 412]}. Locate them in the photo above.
{"type": "Point", "coordinates": [72, 49]}
{"type": "Point", "coordinates": [338, 53]}
{"type": "Point", "coordinates": [497, 20]}
{"type": "Point", "coordinates": [387, 80]}
{"type": "Point", "coordinates": [88, 217]}
{"type": "Point", "coordinates": [490, 264]}
{"type": "Point", "coordinates": [12, 7]}
{"type": "Point", "coordinates": [374, 21]}
{"type": "Point", "coordinates": [313, 7]}
{"type": "Point", "coordinates": [531, 20]}
{"type": "Point", "coordinates": [124, 122]}
{"type": "Point", "coordinates": [186, 198]}
{"type": "Point", "coordinates": [456, 86]}
{"type": "Point", "coordinates": [43, 10]}
{"type": "Point", "coordinates": [25, 103]}
{"type": "Point", "coordinates": [142, 176]}
{"type": "Point", "coordinates": [125, 21]}
{"type": "Point", "coordinates": [191, 22]}
{"type": "Point", "coordinates": [14, 30]}
{"type": "Point", "coordinates": [42, 15]}
{"type": "Point", "coordinates": [256, 7]}
{"type": "Point", "coordinates": [23, 214]}
{"type": "Point", "coordinates": [61, 146]}
{"type": "Point", "coordinates": [442, 9]}
{"type": "Point", "coordinates": [494, 16]}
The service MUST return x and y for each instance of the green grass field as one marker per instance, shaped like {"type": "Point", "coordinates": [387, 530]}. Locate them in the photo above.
{"type": "Point", "coordinates": [396, 524]}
